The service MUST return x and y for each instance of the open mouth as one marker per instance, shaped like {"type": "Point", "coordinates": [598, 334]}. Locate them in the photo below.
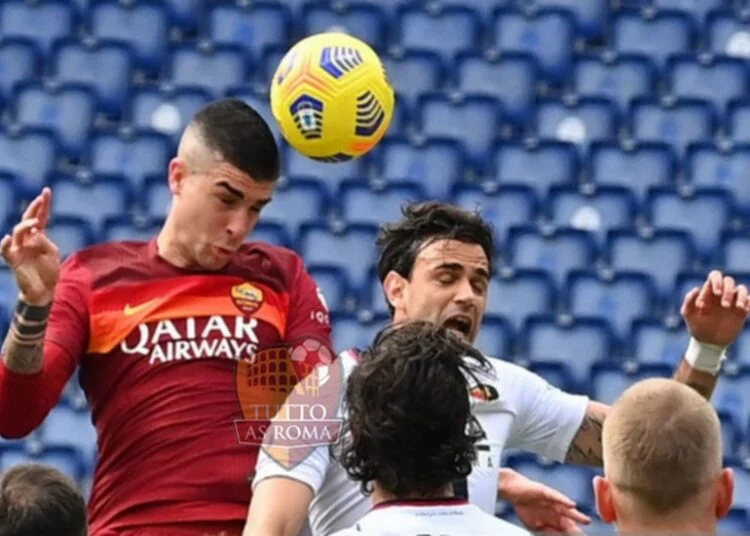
{"type": "Point", "coordinates": [460, 324]}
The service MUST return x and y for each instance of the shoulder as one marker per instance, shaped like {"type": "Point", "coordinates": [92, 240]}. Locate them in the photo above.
{"type": "Point", "coordinates": [94, 262]}
{"type": "Point", "coordinates": [276, 262]}
{"type": "Point", "coordinates": [278, 254]}
{"type": "Point", "coordinates": [509, 376]}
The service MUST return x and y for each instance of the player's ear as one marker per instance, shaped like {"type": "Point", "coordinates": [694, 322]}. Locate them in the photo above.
{"type": "Point", "coordinates": [394, 286]}
{"type": "Point", "coordinates": [177, 175]}
{"type": "Point", "coordinates": [603, 495]}
{"type": "Point", "coordinates": [725, 493]}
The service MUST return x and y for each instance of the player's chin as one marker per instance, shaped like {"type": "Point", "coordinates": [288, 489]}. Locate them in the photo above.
{"type": "Point", "coordinates": [215, 258]}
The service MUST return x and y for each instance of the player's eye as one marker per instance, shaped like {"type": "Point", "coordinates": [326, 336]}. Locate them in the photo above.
{"type": "Point", "coordinates": [226, 201]}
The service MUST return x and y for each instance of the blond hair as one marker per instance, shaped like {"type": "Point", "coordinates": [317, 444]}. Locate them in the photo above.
{"type": "Point", "coordinates": [662, 445]}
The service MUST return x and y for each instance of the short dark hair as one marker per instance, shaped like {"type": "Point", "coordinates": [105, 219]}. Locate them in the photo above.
{"type": "Point", "coordinates": [409, 422]}
{"type": "Point", "coordinates": [233, 128]}
{"type": "Point", "coordinates": [424, 223]}
{"type": "Point", "coordinates": [36, 500]}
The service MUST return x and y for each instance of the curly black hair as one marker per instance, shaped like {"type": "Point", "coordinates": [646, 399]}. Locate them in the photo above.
{"type": "Point", "coordinates": [409, 423]}
{"type": "Point", "coordinates": [422, 224]}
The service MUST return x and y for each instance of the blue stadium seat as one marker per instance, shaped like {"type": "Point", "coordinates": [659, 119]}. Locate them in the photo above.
{"type": "Point", "coordinates": [732, 396]}
{"type": "Point", "coordinates": [10, 199]}
{"type": "Point", "coordinates": [125, 228]}
{"type": "Point", "coordinates": [495, 338]}
{"type": "Point", "coordinates": [591, 119]}
{"type": "Point", "coordinates": [67, 426]}
{"type": "Point", "coordinates": [697, 9]}
{"type": "Point", "coordinates": [726, 34]}
{"type": "Point", "coordinates": [449, 31]}
{"type": "Point", "coordinates": [509, 205]}
{"type": "Point", "coordinates": [741, 487]}
{"type": "Point", "coordinates": [653, 342]}
{"type": "Point", "coordinates": [637, 168]}
{"type": "Point", "coordinates": [8, 289]}
{"type": "Point", "coordinates": [136, 157]}
{"type": "Point", "coordinates": [740, 351]}
{"type": "Point", "coordinates": [372, 298]}
{"type": "Point", "coordinates": [297, 165]}
{"type": "Point", "coordinates": [717, 81]}
{"type": "Point", "coordinates": [364, 20]}
{"type": "Point", "coordinates": [43, 22]}
{"type": "Point", "coordinates": [63, 458]}
{"type": "Point", "coordinates": [272, 233]}
{"type": "Point", "coordinates": [352, 249]}
{"type": "Point", "coordinates": [704, 213]}
{"type": "Point", "coordinates": [361, 204]}
{"type": "Point", "coordinates": [708, 166]}
{"type": "Point", "coordinates": [547, 34]}
{"type": "Point", "coordinates": [20, 60]}
{"type": "Point", "coordinates": [168, 112]}
{"type": "Point", "coordinates": [518, 295]}
{"type": "Point", "coordinates": [414, 72]}
{"type": "Point", "coordinates": [104, 197]}
{"type": "Point", "coordinates": [620, 80]}
{"type": "Point", "coordinates": [731, 439]}
{"type": "Point", "coordinates": [620, 299]}
{"type": "Point", "coordinates": [512, 79]}
{"type": "Point", "coordinates": [541, 165]}
{"type": "Point", "coordinates": [596, 209]}
{"type": "Point", "coordinates": [186, 14]}
{"type": "Point", "coordinates": [435, 165]}
{"type": "Point", "coordinates": [572, 481]}
{"type": "Point", "coordinates": [473, 121]}
{"type": "Point", "coordinates": [684, 283]}
{"type": "Point", "coordinates": [688, 121]}
{"type": "Point", "coordinates": [71, 233]}
{"type": "Point", "coordinates": [556, 374]}
{"type": "Point", "coordinates": [349, 332]}
{"type": "Point", "coordinates": [738, 120]}
{"type": "Point", "coordinates": [67, 110]}
{"type": "Point", "coordinates": [214, 69]}
{"type": "Point", "coordinates": [333, 283]}
{"type": "Point", "coordinates": [658, 37]}
{"type": "Point", "coordinates": [557, 252]}
{"type": "Point", "coordinates": [610, 380]}
{"type": "Point", "coordinates": [143, 25]}
{"type": "Point", "coordinates": [483, 8]}
{"type": "Point", "coordinates": [261, 103]}
{"type": "Point", "coordinates": [156, 197]}
{"type": "Point", "coordinates": [663, 254]}
{"type": "Point", "coordinates": [735, 251]}
{"type": "Point", "coordinates": [297, 202]}
{"type": "Point", "coordinates": [255, 27]}
{"type": "Point", "coordinates": [591, 16]}
{"type": "Point", "coordinates": [266, 67]}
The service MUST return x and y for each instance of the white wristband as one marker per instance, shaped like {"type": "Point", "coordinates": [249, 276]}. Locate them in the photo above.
{"type": "Point", "coordinates": [705, 357]}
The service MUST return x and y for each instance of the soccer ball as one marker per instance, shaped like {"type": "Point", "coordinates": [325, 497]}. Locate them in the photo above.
{"type": "Point", "coordinates": [331, 97]}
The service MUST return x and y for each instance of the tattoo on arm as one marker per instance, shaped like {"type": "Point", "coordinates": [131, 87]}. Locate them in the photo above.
{"type": "Point", "coordinates": [24, 344]}
{"type": "Point", "coordinates": [703, 382]}
{"type": "Point", "coordinates": [586, 448]}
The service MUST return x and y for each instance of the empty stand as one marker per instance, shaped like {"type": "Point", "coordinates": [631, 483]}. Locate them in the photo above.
{"type": "Point", "coordinates": [362, 20]}
{"type": "Point", "coordinates": [104, 197]}
{"type": "Point", "coordinates": [20, 60]}
{"type": "Point", "coordinates": [166, 111]}
{"type": "Point", "coordinates": [708, 166]}
{"type": "Point", "coordinates": [609, 380]}
{"type": "Point", "coordinates": [717, 81]}
{"type": "Point", "coordinates": [591, 119]}
{"type": "Point", "coordinates": [680, 124]}
{"type": "Point", "coordinates": [508, 206]}
{"type": "Point", "coordinates": [655, 343]}
{"type": "Point", "coordinates": [135, 156]}
{"type": "Point", "coordinates": [666, 34]}
{"type": "Point", "coordinates": [362, 204]}
{"type": "Point", "coordinates": [620, 80]}
{"type": "Point", "coordinates": [635, 168]}
{"type": "Point", "coordinates": [541, 165]}
{"type": "Point", "coordinates": [212, 69]}
{"type": "Point", "coordinates": [519, 295]}
{"type": "Point", "coordinates": [495, 338]}
{"type": "Point", "coordinates": [256, 27]}
{"type": "Point", "coordinates": [42, 22]}
{"type": "Point", "coordinates": [297, 202]}
{"type": "Point", "coordinates": [413, 72]}
{"type": "Point", "coordinates": [447, 31]}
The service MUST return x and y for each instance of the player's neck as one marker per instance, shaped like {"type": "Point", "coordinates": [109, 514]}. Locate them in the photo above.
{"type": "Point", "coordinates": [169, 247]}
{"type": "Point", "coordinates": [380, 495]}
{"type": "Point", "coordinates": [674, 526]}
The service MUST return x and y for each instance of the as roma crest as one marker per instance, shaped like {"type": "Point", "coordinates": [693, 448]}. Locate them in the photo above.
{"type": "Point", "coordinates": [247, 298]}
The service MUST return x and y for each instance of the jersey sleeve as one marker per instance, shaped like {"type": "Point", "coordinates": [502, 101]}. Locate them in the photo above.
{"type": "Point", "coordinates": [308, 312]}
{"type": "Point", "coordinates": [310, 471]}
{"type": "Point", "coordinates": [26, 399]}
{"type": "Point", "coordinates": [547, 419]}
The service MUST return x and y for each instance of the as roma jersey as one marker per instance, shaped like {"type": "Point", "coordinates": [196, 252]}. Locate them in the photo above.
{"type": "Point", "coordinates": [164, 356]}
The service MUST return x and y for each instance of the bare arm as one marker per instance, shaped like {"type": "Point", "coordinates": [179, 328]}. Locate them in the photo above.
{"type": "Point", "coordinates": [278, 507]}
{"type": "Point", "coordinates": [586, 448]}
{"type": "Point", "coordinates": [24, 343]}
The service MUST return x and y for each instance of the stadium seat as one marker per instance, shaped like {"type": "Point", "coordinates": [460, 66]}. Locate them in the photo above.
{"type": "Point", "coordinates": [740, 351]}
{"type": "Point", "coordinates": [474, 121]}
{"type": "Point", "coordinates": [595, 210]}
{"type": "Point", "coordinates": [687, 121]}
{"type": "Point", "coordinates": [71, 233]}
{"type": "Point", "coordinates": [653, 342]}
{"type": "Point", "coordinates": [10, 200]}
{"type": "Point", "coordinates": [665, 34]}
{"type": "Point", "coordinates": [637, 168]}
{"type": "Point", "coordinates": [42, 22]}
{"type": "Point", "coordinates": [741, 487]}
{"type": "Point", "coordinates": [662, 254]}
{"type": "Point", "coordinates": [349, 332]}
{"type": "Point", "coordinates": [708, 166]}
{"type": "Point", "coordinates": [136, 157]}
{"type": "Point", "coordinates": [495, 337]}
{"type": "Point", "coordinates": [362, 204]}
{"type": "Point", "coordinates": [731, 436]}
{"type": "Point", "coordinates": [353, 249]}
{"type": "Point", "coordinates": [718, 81]}
{"type": "Point", "coordinates": [483, 8]}
{"type": "Point", "coordinates": [448, 31]}
{"type": "Point", "coordinates": [619, 80]}
{"type": "Point", "coordinates": [520, 294]}
{"type": "Point", "coordinates": [260, 102]}
{"type": "Point", "coordinates": [736, 521]}
{"type": "Point", "coordinates": [735, 251]}
{"type": "Point", "coordinates": [8, 289]}
{"type": "Point", "coordinates": [364, 20]}
{"type": "Point", "coordinates": [156, 197]}
{"type": "Point", "coordinates": [610, 380]}
{"type": "Point", "coordinates": [63, 458]}
{"type": "Point", "coordinates": [297, 202]}
{"type": "Point", "coordinates": [272, 233]}
{"type": "Point", "coordinates": [591, 16]}
{"type": "Point", "coordinates": [547, 34]}
{"type": "Point", "coordinates": [186, 14]}
{"type": "Point", "coordinates": [512, 79]}
{"type": "Point", "coordinates": [67, 110]}
{"type": "Point", "coordinates": [434, 164]}
{"type": "Point", "coordinates": [297, 165]}
{"type": "Point", "coordinates": [334, 285]}
{"type": "Point", "coordinates": [104, 197]}
{"type": "Point", "coordinates": [144, 26]}
{"type": "Point", "coordinates": [126, 228]}
{"type": "Point", "coordinates": [254, 27]}
{"type": "Point", "coordinates": [573, 481]}
{"type": "Point", "coordinates": [619, 299]}
{"type": "Point", "coordinates": [67, 426]}
{"type": "Point", "coordinates": [684, 283]}
{"type": "Point", "coordinates": [726, 34]}
{"type": "Point", "coordinates": [541, 166]}
{"type": "Point", "coordinates": [213, 69]}
{"type": "Point", "coordinates": [166, 111]}
{"type": "Point", "coordinates": [557, 252]}
{"type": "Point", "coordinates": [372, 298]}
{"type": "Point", "coordinates": [414, 72]}
{"type": "Point", "coordinates": [697, 9]}
{"type": "Point", "coordinates": [590, 119]}
{"type": "Point", "coordinates": [20, 60]}
{"type": "Point", "coordinates": [732, 396]}
{"type": "Point", "coordinates": [508, 205]}
{"type": "Point", "coordinates": [704, 213]}
{"type": "Point", "coordinates": [556, 374]}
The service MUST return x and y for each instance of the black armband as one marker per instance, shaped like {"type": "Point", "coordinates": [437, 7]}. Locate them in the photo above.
{"type": "Point", "coordinates": [32, 313]}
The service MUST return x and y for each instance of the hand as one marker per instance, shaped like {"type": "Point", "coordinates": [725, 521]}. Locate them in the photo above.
{"type": "Point", "coordinates": [539, 507]}
{"type": "Point", "coordinates": [31, 255]}
{"type": "Point", "coordinates": [716, 313]}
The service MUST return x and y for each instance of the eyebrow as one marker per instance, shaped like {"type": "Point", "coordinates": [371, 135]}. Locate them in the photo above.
{"type": "Point", "coordinates": [234, 191]}
{"type": "Point", "coordinates": [455, 267]}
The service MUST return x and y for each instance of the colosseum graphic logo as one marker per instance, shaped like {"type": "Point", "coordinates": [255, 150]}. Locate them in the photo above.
{"type": "Point", "coordinates": [290, 398]}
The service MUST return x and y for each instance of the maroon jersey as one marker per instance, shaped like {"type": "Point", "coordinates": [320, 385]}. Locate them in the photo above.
{"type": "Point", "coordinates": [162, 352]}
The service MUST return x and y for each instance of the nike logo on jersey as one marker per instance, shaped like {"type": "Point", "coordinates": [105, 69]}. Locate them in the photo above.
{"type": "Point", "coordinates": [131, 310]}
